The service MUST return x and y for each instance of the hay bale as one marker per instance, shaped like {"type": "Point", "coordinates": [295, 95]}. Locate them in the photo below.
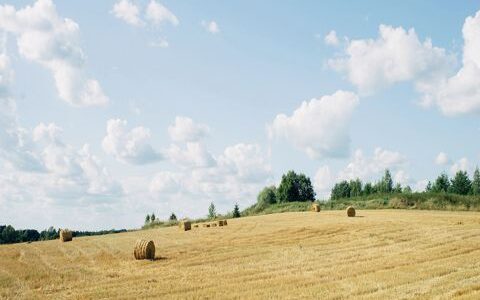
{"type": "Point", "coordinates": [220, 222]}
{"type": "Point", "coordinates": [144, 250]}
{"type": "Point", "coordinates": [225, 223]}
{"type": "Point", "coordinates": [65, 235]}
{"type": "Point", "coordinates": [350, 211]}
{"type": "Point", "coordinates": [315, 207]}
{"type": "Point", "coordinates": [185, 225]}
{"type": "Point", "coordinates": [206, 225]}
{"type": "Point", "coordinates": [213, 225]}
{"type": "Point", "coordinates": [195, 225]}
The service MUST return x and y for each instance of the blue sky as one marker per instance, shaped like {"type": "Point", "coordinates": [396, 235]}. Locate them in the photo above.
{"type": "Point", "coordinates": [114, 109]}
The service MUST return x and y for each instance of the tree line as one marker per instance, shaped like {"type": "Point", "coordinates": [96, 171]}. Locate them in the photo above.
{"type": "Point", "coordinates": [9, 235]}
{"type": "Point", "coordinates": [292, 187]}
{"type": "Point", "coordinates": [460, 184]}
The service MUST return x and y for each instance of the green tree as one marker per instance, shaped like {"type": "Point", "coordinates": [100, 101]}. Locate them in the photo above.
{"type": "Point", "coordinates": [147, 219]}
{"type": "Point", "coordinates": [368, 189]}
{"type": "Point", "coordinates": [152, 218]}
{"type": "Point", "coordinates": [429, 187]}
{"type": "Point", "coordinates": [386, 184]}
{"type": "Point", "coordinates": [173, 217]}
{"type": "Point", "coordinates": [288, 189]}
{"type": "Point", "coordinates": [476, 182]}
{"type": "Point", "coordinates": [212, 213]}
{"type": "Point", "coordinates": [305, 188]}
{"type": "Point", "coordinates": [397, 188]}
{"type": "Point", "coordinates": [442, 184]}
{"type": "Point", "coordinates": [9, 235]}
{"type": "Point", "coordinates": [355, 187]}
{"type": "Point", "coordinates": [340, 190]}
{"type": "Point", "coordinates": [407, 190]}
{"type": "Point", "coordinates": [267, 196]}
{"type": "Point", "coordinates": [461, 184]}
{"type": "Point", "coordinates": [236, 211]}
{"type": "Point", "coordinates": [295, 187]}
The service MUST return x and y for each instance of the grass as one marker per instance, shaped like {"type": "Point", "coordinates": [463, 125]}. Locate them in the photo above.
{"type": "Point", "coordinates": [380, 254]}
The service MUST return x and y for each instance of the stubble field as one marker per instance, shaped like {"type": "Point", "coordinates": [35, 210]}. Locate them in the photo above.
{"type": "Point", "coordinates": [378, 254]}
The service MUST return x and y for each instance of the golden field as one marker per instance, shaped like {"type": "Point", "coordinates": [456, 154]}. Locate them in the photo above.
{"type": "Point", "coordinates": [386, 254]}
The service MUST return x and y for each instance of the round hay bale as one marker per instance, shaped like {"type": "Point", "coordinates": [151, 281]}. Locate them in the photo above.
{"type": "Point", "coordinates": [225, 223]}
{"type": "Point", "coordinates": [195, 225]}
{"type": "Point", "coordinates": [213, 224]}
{"type": "Point", "coordinates": [144, 250]}
{"type": "Point", "coordinates": [315, 207]}
{"type": "Point", "coordinates": [65, 235]}
{"type": "Point", "coordinates": [220, 222]}
{"type": "Point", "coordinates": [350, 211]}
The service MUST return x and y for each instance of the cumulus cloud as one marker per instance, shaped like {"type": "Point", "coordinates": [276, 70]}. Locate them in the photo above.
{"type": "Point", "coordinates": [461, 165]}
{"type": "Point", "coordinates": [460, 93]}
{"type": "Point", "coordinates": [397, 55]}
{"type": "Point", "coordinates": [331, 39]}
{"type": "Point", "coordinates": [52, 41]}
{"type": "Point", "coordinates": [211, 26]}
{"type": "Point", "coordinates": [186, 130]}
{"type": "Point", "coordinates": [318, 127]}
{"type": "Point", "coordinates": [155, 13]}
{"type": "Point", "coordinates": [323, 182]}
{"type": "Point", "coordinates": [236, 175]}
{"type": "Point", "coordinates": [365, 168]}
{"type": "Point", "coordinates": [442, 159]}
{"type": "Point", "coordinates": [129, 146]}
{"type": "Point", "coordinates": [193, 155]}
{"type": "Point", "coordinates": [158, 14]}
{"type": "Point", "coordinates": [128, 12]}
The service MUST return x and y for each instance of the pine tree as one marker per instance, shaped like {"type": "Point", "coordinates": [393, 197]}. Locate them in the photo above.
{"type": "Point", "coordinates": [147, 219]}
{"type": "Point", "coordinates": [173, 217]}
{"type": "Point", "coordinates": [442, 184]}
{"type": "Point", "coordinates": [152, 218]}
{"type": "Point", "coordinates": [386, 185]}
{"type": "Point", "coordinates": [212, 213]}
{"type": "Point", "coordinates": [461, 184]}
{"type": "Point", "coordinates": [476, 182]}
{"type": "Point", "coordinates": [236, 211]}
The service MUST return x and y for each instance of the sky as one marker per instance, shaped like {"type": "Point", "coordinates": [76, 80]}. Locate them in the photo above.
{"type": "Point", "coordinates": [110, 110]}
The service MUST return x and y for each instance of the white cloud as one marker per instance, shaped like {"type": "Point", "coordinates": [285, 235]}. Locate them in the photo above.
{"type": "Point", "coordinates": [186, 130]}
{"type": "Point", "coordinates": [366, 168]}
{"type": "Point", "coordinates": [402, 177]}
{"type": "Point", "coordinates": [211, 26]}
{"type": "Point", "coordinates": [460, 165]}
{"type": "Point", "coordinates": [236, 175]}
{"type": "Point", "coordinates": [128, 12]}
{"type": "Point", "coordinates": [442, 159]}
{"type": "Point", "coordinates": [460, 93]}
{"type": "Point", "coordinates": [395, 56]}
{"type": "Point", "coordinates": [159, 43]}
{"type": "Point", "coordinates": [323, 181]}
{"type": "Point", "coordinates": [331, 38]}
{"type": "Point", "coordinates": [157, 14]}
{"type": "Point", "coordinates": [194, 155]}
{"type": "Point", "coordinates": [129, 146]}
{"type": "Point", "coordinates": [318, 127]}
{"type": "Point", "coordinates": [52, 41]}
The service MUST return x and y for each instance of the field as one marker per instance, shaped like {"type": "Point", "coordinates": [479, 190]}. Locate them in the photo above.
{"type": "Point", "coordinates": [390, 254]}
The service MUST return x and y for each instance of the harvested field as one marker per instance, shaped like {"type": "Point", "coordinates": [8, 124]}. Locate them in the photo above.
{"type": "Point", "coordinates": [376, 255]}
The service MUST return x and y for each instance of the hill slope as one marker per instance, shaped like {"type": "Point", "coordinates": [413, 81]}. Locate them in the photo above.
{"type": "Point", "coordinates": [381, 254]}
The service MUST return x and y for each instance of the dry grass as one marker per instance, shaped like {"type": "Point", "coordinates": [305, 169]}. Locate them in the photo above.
{"type": "Point", "coordinates": [381, 254]}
